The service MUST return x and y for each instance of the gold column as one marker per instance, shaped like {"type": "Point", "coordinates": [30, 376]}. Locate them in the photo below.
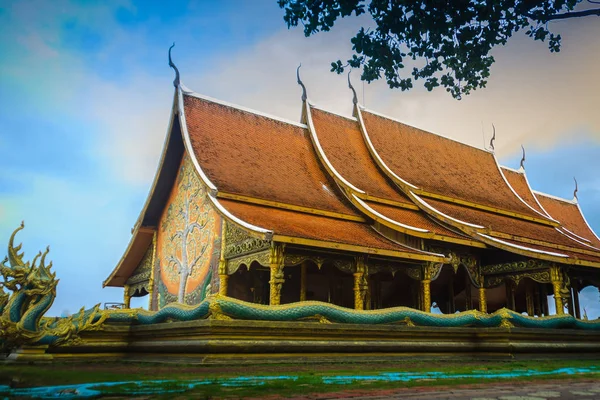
{"type": "Point", "coordinates": [277, 277]}
{"type": "Point", "coordinates": [126, 296]}
{"type": "Point", "coordinates": [482, 299]}
{"type": "Point", "coordinates": [360, 283]}
{"type": "Point", "coordinates": [223, 277]}
{"type": "Point", "coordinates": [303, 281]}
{"type": "Point", "coordinates": [152, 268]}
{"type": "Point", "coordinates": [426, 288]}
{"type": "Point", "coordinates": [557, 282]}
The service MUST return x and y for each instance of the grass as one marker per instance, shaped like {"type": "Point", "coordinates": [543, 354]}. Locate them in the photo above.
{"type": "Point", "coordinates": [309, 378]}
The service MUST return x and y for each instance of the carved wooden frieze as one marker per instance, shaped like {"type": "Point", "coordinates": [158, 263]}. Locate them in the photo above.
{"type": "Point", "coordinates": [516, 266]}
{"type": "Point", "coordinates": [413, 272]}
{"type": "Point", "coordinates": [541, 276]}
{"type": "Point", "coordinates": [262, 257]}
{"type": "Point", "coordinates": [290, 260]}
{"type": "Point", "coordinates": [238, 242]}
{"type": "Point", "coordinates": [140, 278]}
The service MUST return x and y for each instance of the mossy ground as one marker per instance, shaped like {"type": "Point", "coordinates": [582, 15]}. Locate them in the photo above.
{"type": "Point", "coordinates": [308, 377]}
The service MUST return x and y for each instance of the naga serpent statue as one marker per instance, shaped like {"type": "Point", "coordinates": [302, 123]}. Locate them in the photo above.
{"type": "Point", "coordinates": [33, 288]}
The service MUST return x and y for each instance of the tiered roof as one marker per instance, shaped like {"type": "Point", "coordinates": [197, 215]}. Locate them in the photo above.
{"type": "Point", "coordinates": [328, 181]}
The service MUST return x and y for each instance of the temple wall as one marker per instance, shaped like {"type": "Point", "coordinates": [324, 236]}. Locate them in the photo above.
{"type": "Point", "coordinates": [188, 241]}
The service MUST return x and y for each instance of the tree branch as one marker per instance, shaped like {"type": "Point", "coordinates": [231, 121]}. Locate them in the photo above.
{"type": "Point", "coordinates": [175, 260]}
{"type": "Point", "coordinates": [567, 15]}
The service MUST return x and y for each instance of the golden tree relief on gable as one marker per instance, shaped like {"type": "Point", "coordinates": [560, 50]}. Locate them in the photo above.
{"type": "Point", "coordinates": [188, 242]}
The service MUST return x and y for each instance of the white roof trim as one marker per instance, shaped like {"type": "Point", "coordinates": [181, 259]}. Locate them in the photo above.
{"type": "Point", "coordinates": [518, 171]}
{"type": "Point", "coordinates": [522, 247]}
{"type": "Point", "coordinates": [242, 108]}
{"type": "Point", "coordinates": [188, 144]}
{"type": "Point", "coordinates": [408, 247]}
{"type": "Point", "coordinates": [224, 211]}
{"type": "Point", "coordinates": [374, 152]}
{"type": "Point", "coordinates": [554, 197]}
{"type": "Point", "coordinates": [424, 204]}
{"type": "Point", "coordinates": [576, 239]}
{"type": "Point", "coordinates": [334, 113]}
{"type": "Point", "coordinates": [576, 235]}
{"type": "Point", "coordinates": [515, 192]}
{"type": "Point", "coordinates": [522, 172]}
{"type": "Point", "coordinates": [431, 133]}
{"type": "Point", "coordinates": [536, 199]}
{"type": "Point", "coordinates": [401, 225]}
{"type": "Point", "coordinates": [317, 144]}
{"type": "Point", "coordinates": [585, 220]}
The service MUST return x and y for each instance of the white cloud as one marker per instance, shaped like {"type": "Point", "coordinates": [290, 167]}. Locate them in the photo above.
{"type": "Point", "coordinates": [133, 118]}
{"type": "Point", "coordinates": [533, 97]}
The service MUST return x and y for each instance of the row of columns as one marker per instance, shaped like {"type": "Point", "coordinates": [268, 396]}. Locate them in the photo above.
{"type": "Point", "coordinates": [361, 285]}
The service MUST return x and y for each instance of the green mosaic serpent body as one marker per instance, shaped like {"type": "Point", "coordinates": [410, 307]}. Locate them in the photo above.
{"type": "Point", "coordinates": [219, 306]}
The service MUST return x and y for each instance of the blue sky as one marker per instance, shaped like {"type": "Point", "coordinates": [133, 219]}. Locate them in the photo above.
{"type": "Point", "coordinates": [85, 96]}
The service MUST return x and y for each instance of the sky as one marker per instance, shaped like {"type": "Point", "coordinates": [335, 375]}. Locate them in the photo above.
{"type": "Point", "coordinates": [86, 93]}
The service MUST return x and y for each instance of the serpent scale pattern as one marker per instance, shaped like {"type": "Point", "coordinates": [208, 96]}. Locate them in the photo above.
{"type": "Point", "coordinates": [221, 306]}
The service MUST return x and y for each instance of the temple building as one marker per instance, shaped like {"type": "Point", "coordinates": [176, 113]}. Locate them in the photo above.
{"type": "Point", "coordinates": [364, 212]}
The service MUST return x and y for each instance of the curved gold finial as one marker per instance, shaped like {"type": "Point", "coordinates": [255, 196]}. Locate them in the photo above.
{"type": "Point", "coordinates": [354, 98]}
{"type": "Point", "coordinates": [493, 137]}
{"type": "Point", "coordinates": [576, 190]}
{"type": "Point", "coordinates": [304, 97]}
{"type": "Point", "coordinates": [14, 258]}
{"type": "Point", "coordinates": [176, 81]}
{"type": "Point", "coordinates": [523, 158]}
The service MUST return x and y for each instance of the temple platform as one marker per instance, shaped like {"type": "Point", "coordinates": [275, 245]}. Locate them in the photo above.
{"type": "Point", "coordinates": [256, 342]}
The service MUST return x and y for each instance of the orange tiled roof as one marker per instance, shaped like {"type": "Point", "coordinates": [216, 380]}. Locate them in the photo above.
{"type": "Point", "coordinates": [569, 214]}
{"type": "Point", "coordinates": [253, 155]}
{"type": "Point", "coordinates": [308, 226]}
{"type": "Point", "coordinates": [414, 218]}
{"type": "Point", "coordinates": [507, 225]}
{"type": "Point", "coordinates": [519, 183]}
{"type": "Point", "coordinates": [440, 165]}
{"type": "Point", "coordinates": [345, 148]}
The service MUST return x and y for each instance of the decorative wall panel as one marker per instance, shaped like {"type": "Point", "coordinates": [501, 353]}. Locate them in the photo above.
{"type": "Point", "coordinates": [189, 238]}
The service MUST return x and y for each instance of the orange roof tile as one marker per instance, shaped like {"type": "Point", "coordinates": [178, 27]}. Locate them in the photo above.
{"type": "Point", "coordinates": [440, 165]}
{"type": "Point", "coordinates": [309, 226]}
{"type": "Point", "coordinates": [253, 155]}
{"type": "Point", "coordinates": [569, 215]}
{"type": "Point", "coordinates": [519, 183]}
{"type": "Point", "coordinates": [345, 148]}
{"type": "Point", "coordinates": [504, 224]}
{"type": "Point", "coordinates": [414, 218]}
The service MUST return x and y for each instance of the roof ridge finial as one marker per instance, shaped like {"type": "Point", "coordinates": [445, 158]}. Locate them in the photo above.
{"type": "Point", "coordinates": [493, 138]}
{"type": "Point", "coordinates": [300, 83]}
{"type": "Point", "coordinates": [575, 191]}
{"type": "Point", "coordinates": [176, 82]}
{"type": "Point", "coordinates": [523, 158]}
{"type": "Point", "coordinates": [354, 98]}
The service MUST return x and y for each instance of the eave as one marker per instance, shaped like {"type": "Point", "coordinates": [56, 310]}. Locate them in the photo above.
{"type": "Point", "coordinates": [423, 256]}
{"type": "Point", "coordinates": [137, 247]}
{"type": "Point", "coordinates": [495, 239]}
